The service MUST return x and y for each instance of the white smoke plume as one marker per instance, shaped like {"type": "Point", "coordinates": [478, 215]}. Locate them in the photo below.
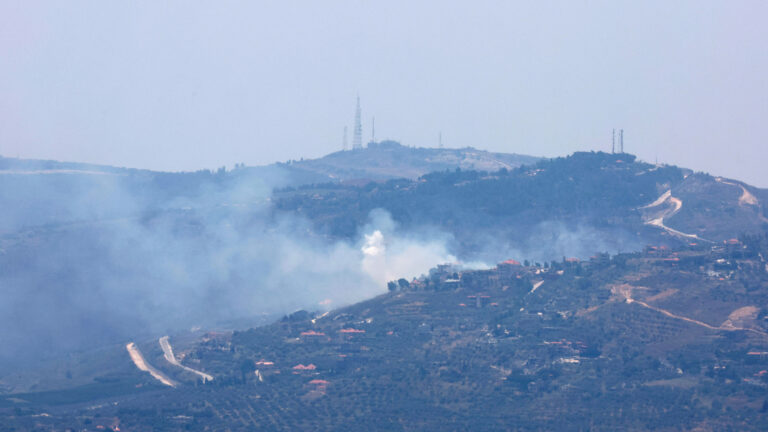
{"type": "Point", "coordinates": [389, 259]}
{"type": "Point", "coordinates": [215, 259]}
{"type": "Point", "coordinates": [90, 260]}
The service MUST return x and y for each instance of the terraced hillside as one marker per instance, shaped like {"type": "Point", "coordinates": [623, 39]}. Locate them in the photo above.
{"type": "Point", "coordinates": [662, 339]}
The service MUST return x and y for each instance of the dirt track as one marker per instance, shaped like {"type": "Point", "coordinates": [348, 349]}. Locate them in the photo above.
{"type": "Point", "coordinates": [626, 293]}
{"type": "Point", "coordinates": [142, 365]}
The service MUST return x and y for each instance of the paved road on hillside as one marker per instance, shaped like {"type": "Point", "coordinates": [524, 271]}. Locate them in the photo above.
{"type": "Point", "coordinates": [659, 221]}
{"type": "Point", "coordinates": [168, 353]}
{"type": "Point", "coordinates": [746, 198]}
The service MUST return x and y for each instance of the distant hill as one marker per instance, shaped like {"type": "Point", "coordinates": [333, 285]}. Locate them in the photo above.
{"type": "Point", "coordinates": [38, 166]}
{"type": "Point", "coordinates": [617, 201]}
{"type": "Point", "coordinates": [49, 192]}
{"type": "Point", "coordinates": [388, 160]}
{"type": "Point", "coordinates": [378, 161]}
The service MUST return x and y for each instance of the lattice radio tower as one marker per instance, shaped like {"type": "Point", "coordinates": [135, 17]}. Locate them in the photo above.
{"type": "Point", "coordinates": [357, 137]}
{"type": "Point", "coordinates": [621, 140]}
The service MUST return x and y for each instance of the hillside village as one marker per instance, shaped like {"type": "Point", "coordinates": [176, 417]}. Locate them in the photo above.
{"type": "Point", "coordinates": [661, 336]}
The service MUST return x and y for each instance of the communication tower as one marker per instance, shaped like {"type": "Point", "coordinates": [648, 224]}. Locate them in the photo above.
{"type": "Point", "coordinates": [621, 140]}
{"type": "Point", "coordinates": [357, 137]}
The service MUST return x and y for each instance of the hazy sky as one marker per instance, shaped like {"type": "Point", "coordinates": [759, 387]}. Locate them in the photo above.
{"type": "Point", "coordinates": [181, 85]}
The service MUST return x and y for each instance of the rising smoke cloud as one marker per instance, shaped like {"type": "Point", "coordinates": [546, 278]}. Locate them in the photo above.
{"type": "Point", "coordinates": [389, 255]}
{"type": "Point", "coordinates": [87, 260]}
{"type": "Point", "coordinates": [217, 259]}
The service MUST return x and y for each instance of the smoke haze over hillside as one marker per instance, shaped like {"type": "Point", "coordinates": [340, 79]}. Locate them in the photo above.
{"type": "Point", "coordinates": [116, 259]}
{"type": "Point", "coordinates": [214, 260]}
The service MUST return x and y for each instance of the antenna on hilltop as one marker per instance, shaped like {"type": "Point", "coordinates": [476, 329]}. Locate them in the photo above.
{"type": "Point", "coordinates": [440, 139]}
{"type": "Point", "coordinates": [344, 140]}
{"type": "Point", "coordinates": [357, 137]}
{"type": "Point", "coordinates": [621, 140]}
{"type": "Point", "coordinates": [613, 141]}
{"type": "Point", "coordinates": [373, 129]}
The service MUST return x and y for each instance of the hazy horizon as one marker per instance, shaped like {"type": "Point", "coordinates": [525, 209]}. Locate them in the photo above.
{"type": "Point", "coordinates": [175, 86]}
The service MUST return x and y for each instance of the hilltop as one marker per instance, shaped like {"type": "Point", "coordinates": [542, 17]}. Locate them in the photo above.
{"type": "Point", "coordinates": [389, 159]}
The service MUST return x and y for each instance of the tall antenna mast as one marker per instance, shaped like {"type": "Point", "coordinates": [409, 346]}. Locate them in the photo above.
{"type": "Point", "coordinates": [344, 141]}
{"type": "Point", "coordinates": [357, 137]}
{"type": "Point", "coordinates": [613, 141]}
{"type": "Point", "coordinates": [440, 140]}
{"type": "Point", "coordinates": [373, 129]}
{"type": "Point", "coordinates": [621, 140]}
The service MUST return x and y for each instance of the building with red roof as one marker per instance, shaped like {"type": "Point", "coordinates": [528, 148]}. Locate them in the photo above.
{"type": "Point", "coordinates": [300, 367]}
{"type": "Point", "coordinates": [312, 333]}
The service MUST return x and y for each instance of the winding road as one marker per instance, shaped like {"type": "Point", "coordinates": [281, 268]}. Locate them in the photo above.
{"type": "Point", "coordinates": [746, 198]}
{"type": "Point", "coordinates": [168, 354]}
{"type": "Point", "coordinates": [628, 298]}
{"type": "Point", "coordinates": [658, 221]}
